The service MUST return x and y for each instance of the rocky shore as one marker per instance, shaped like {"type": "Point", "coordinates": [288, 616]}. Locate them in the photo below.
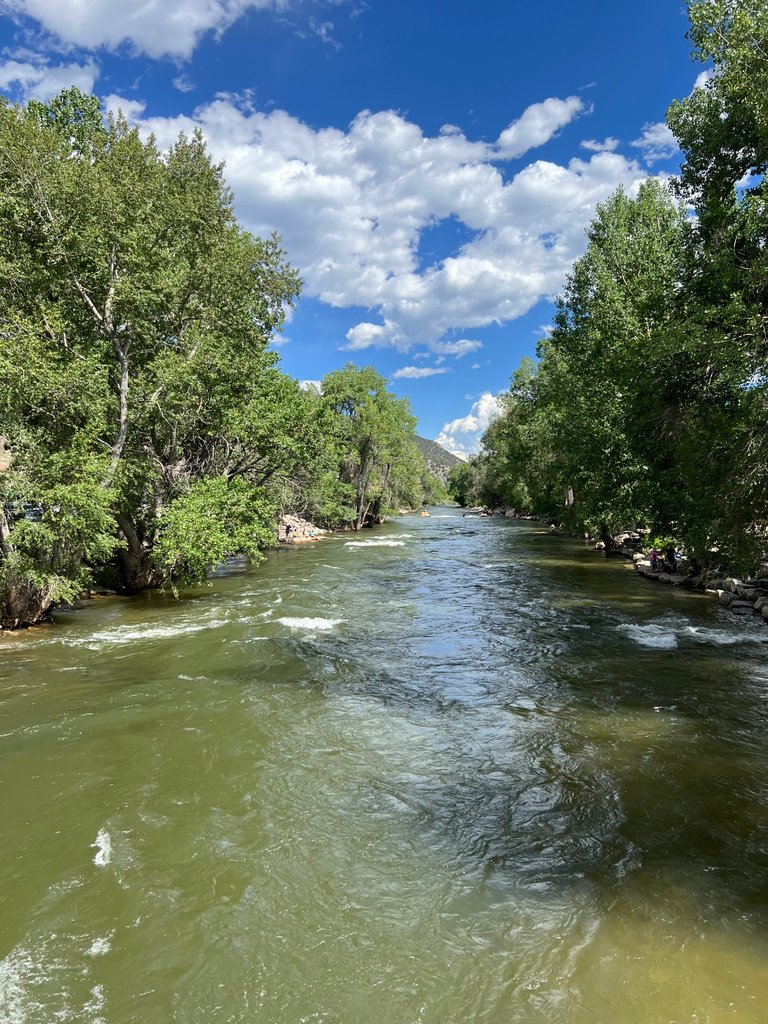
{"type": "Point", "coordinates": [295, 530]}
{"type": "Point", "coordinates": [740, 596]}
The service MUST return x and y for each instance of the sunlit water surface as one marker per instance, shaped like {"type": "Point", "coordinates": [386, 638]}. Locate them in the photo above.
{"type": "Point", "coordinates": [454, 770]}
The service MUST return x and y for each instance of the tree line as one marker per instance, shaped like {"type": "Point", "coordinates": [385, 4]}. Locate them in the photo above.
{"type": "Point", "coordinates": [151, 432]}
{"type": "Point", "coordinates": [648, 402]}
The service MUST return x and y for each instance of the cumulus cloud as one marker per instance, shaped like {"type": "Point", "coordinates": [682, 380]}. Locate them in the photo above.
{"type": "Point", "coordinates": [657, 142]}
{"type": "Point", "coordinates": [462, 436]}
{"type": "Point", "coordinates": [351, 206]}
{"type": "Point", "coordinates": [168, 29]}
{"type": "Point", "coordinates": [39, 80]}
{"type": "Point", "coordinates": [417, 372]}
{"type": "Point", "coordinates": [606, 146]}
{"type": "Point", "coordinates": [537, 124]}
{"type": "Point", "coordinates": [702, 78]}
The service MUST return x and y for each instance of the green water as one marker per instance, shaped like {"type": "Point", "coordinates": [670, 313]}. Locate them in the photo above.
{"type": "Point", "coordinates": [451, 771]}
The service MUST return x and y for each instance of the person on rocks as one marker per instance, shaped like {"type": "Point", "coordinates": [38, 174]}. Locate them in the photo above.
{"type": "Point", "coordinates": [672, 558]}
{"type": "Point", "coordinates": [654, 556]}
{"type": "Point", "coordinates": [289, 534]}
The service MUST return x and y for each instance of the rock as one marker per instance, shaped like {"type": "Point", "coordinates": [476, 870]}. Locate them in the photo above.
{"type": "Point", "coordinates": [764, 612]}
{"type": "Point", "coordinates": [746, 592]}
{"type": "Point", "coordinates": [639, 557]}
{"type": "Point", "coordinates": [731, 584]}
{"type": "Point", "coordinates": [664, 577]}
{"type": "Point", "coordinates": [725, 596]}
{"type": "Point", "coordinates": [741, 606]}
{"type": "Point", "coordinates": [761, 603]}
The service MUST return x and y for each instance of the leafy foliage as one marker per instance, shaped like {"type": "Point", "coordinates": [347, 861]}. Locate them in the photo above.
{"type": "Point", "coordinates": [136, 316]}
{"type": "Point", "coordinates": [374, 443]}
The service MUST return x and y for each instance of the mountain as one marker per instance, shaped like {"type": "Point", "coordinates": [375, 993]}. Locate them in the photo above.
{"type": "Point", "coordinates": [439, 461]}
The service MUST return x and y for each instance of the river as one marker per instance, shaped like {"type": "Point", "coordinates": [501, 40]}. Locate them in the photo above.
{"type": "Point", "coordinates": [453, 770]}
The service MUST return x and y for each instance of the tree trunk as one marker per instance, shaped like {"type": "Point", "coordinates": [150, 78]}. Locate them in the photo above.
{"type": "Point", "coordinates": [23, 603]}
{"type": "Point", "coordinates": [136, 559]}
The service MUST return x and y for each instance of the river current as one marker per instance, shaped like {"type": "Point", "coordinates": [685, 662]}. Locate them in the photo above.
{"type": "Point", "coordinates": [452, 770]}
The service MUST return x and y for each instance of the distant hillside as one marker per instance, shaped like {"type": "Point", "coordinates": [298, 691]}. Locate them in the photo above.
{"type": "Point", "coordinates": [439, 461]}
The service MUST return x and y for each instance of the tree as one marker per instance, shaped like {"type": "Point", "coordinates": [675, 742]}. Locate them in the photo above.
{"type": "Point", "coordinates": [128, 266]}
{"type": "Point", "coordinates": [374, 435]}
{"type": "Point", "coordinates": [461, 483]}
{"type": "Point", "coordinates": [612, 349]}
{"type": "Point", "coordinates": [722, 129]}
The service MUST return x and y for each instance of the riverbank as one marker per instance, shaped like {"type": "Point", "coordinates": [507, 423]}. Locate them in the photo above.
{"type": "Point", "coordinates": [295, 530]}
{"type": "Point", "coordinates": [741, 597]}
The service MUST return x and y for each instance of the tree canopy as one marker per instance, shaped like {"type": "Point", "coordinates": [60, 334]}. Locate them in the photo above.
{"type": "Point", "coordinates": [649, 399]}
{"type": "Point", "coordinates": [136, 316]}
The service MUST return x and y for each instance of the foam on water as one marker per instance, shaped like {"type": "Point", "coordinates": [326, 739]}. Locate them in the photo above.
{"type": "Point", "coordinates": [100, 946]}
{"type": "Point", "coordinates": [307, 623]}
{"type": "Point", "coordinates": [375, 544]}
{"type": "Point", "coordinates": [726, 637]}
{"type": "Point", "coordinates": [103, 847]}
{"type": "Point", "coordinates": [131, 634]}
{"type": "Point", "coordinates": [652, 635]}
{"type": "Point", "coordinates": [669, 632]}
{"type": "Point", "coordinates": [36, 986]}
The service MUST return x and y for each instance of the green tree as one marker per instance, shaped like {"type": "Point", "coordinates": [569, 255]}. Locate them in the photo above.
{"type": "Point", "coordinates": [128, 265]}
{"type": "Point", "coordinates": [722, 129]}
{"type": "Point", "coordinates": [374, 436]}
{"type": "Point", "coordinates": [461, 484]}
{"type": "Point", "coordinates": [612, 347]}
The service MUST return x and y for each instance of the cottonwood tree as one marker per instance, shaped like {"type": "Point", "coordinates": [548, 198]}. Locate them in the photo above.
{"type": "Point", "coordinates": [130, 274]}
{"type": "Point", "coordinates": [722, 129]}
{"type": "Point", "coordinates": [374, 437]}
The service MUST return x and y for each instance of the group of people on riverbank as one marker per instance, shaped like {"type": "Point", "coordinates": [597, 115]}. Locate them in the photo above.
{"type": "Point", "coordinates": [294, 530]}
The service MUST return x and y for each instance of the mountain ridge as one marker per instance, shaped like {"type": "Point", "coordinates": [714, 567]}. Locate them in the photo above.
{"type": "Point", "coordinates": [438, 459]}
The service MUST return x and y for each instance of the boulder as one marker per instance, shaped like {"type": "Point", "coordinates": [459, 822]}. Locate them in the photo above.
{"type": "Point", "coordinates": [746, 592]}
{"type": "Point", "coordinates": [764, 612]}
{"type": "Point", "coordinates": [731, 584]}
{"type": "Point", "coordinates": [740, 606]}
{"type": "Point", "coordinates": [761, 603]}
{"type": "Point", "coordinates": [725, 596]}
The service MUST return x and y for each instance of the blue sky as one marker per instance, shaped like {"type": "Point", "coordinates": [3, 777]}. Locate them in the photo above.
{"type": "Point", "coordinates": [431, 166]}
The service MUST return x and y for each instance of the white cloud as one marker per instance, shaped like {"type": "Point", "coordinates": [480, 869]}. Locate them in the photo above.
{"type": "Point", "coordinates": [537, 124]}
{"type": "Point", "coordinates": [457, 349]}
{"type": "Point", "coordinates": [183, 84]}
{"type": "Point", "coordinates": [171, 28]}
{"type": "Point", "coordinates": [462, 436]}
{"type": "Point", "coordinates": [352, 205]}
{"type": "Point", "coordinates": [657, 142]}
{"type": "Point", "coordinates": [702, 78]}
{"type": "Point", "coordinates": [39, 80]}
{"type": "Point", "coordinates": [606, 146]}
{"type": "Point", "coordinates": [417, 372]}
{"type": "Point", "coordinates": [311, 385]}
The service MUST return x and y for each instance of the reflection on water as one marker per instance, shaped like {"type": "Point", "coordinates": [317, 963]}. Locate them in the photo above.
{"type": "Point", "coordinates": [452, 770]}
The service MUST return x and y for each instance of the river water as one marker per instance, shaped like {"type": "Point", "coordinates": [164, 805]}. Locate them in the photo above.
{"type": "Point", "coordinates": [454, 770]}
